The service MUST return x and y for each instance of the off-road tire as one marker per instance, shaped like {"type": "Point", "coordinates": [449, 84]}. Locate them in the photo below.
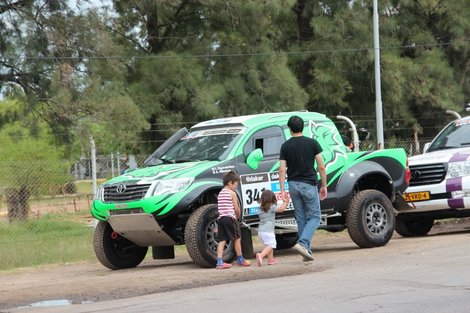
{"type": "Point", "coordinates": [201, 240]}
{"type": "Point", "coordinates": [413, 227]}
{"type": "Point", "coordinates": [286, 241]}
{"type": "Point", "coordinates": [370, 219]}
{"type": "Point", "coordinates": [114, 251]}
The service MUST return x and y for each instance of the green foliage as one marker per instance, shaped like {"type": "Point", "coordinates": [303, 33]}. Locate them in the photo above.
{"type": "Point", "coordinates": [30, 159]}
{"type": "Point", "coordinates": [171, 63]}
{"type": "Point", "coordinates": [418, 82]}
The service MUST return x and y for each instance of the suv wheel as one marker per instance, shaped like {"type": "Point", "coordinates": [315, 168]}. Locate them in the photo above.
{"type": "Point", "coordinates": [407, 227]}
{"type": "Point", "coordinates": [200, 236]}
{"type": "Point", "coordinates": [114, 251]}
{"type": "Point", "coordinates": [370, 219]}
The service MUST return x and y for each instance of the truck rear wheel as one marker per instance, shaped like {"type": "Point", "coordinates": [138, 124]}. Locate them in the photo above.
{"type": "Point", "coordinates": [114, 251]}
{"type": "Point", "coordinates": [201, 240]}
{"type": "Point", "coordinates": [370, 219]}
{"type": "Point", "coordinates": [413, 227]}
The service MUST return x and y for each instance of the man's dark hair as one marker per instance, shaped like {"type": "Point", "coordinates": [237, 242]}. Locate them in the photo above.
{"type": "Point", "coordinates": [295, 124]}
{"type": "Point", "coordinates": [230, 177]}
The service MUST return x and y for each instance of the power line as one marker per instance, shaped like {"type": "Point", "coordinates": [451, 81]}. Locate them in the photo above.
{"type": "Point", "coordinates": [227, 55]}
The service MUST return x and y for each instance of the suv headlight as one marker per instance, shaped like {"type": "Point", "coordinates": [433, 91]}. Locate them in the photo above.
{"type": "Point", "coordinates": [458, 169]}
{"type": "Point", "coordinates": [172, 185]}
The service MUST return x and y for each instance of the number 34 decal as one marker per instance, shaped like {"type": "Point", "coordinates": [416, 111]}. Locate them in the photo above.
{"type": "Point", "coordinates": [252, 195]}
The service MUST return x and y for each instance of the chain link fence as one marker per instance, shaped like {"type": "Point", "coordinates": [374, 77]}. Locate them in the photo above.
{"type": "Point", "coordinates": [45, 206]}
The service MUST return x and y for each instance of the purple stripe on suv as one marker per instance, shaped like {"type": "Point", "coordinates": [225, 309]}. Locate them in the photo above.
{"type": "Point", "coordinates": [454, 184]}
{"type": "Point", "coordinates": [456, 203]}
{"type": "Point", "coordinates": [459, 157]}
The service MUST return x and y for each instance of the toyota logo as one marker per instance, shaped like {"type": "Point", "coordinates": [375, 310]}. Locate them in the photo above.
{"type": "Point", "coordinates": [415, 174]}
{"type": "Point", "coordinates": [121, 188]}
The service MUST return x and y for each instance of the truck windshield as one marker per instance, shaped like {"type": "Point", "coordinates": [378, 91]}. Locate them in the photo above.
{"type": "Point", "coordinates": [455, 135]}
{"type": "Point", "coordinates": [202, 145]}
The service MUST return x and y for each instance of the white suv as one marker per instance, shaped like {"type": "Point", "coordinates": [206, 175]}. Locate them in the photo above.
{"type": "Point", "coordinates": [440, 181]}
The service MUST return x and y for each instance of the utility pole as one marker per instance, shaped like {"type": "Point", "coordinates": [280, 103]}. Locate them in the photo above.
{"type": "Point", "coordinates": [93, 165]}
{"type": "Point", "coordinates": [378, 89]}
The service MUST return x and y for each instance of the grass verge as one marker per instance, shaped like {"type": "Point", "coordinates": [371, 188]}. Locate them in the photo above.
{"type": "Point", "coordinates": [50, 239]}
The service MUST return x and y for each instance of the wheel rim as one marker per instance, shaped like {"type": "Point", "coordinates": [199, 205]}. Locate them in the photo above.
{"type": "Point", "coordinates": [376, 218]}
{"type": "Point", "coordinates": [211, 237]}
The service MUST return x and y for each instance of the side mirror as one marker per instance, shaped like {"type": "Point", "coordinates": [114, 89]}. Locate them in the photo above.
{"type": "Point", "coordinates": [426, 147]}
{"type": "Point", "coordinates": [254, 158]}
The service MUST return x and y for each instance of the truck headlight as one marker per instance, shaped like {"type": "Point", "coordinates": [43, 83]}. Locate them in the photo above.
{"type": "Point", "coordinates": [172, 185]}
{"type": "Point", "coordinates": [458, 169]}
{"type": "Point", "coordinates": [100, 193]}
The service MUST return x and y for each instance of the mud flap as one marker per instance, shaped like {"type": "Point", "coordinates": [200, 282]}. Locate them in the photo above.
{"type": "Point", "coordinates": [163, 252]}
{"type": "Point", "coordinates": [401, 205]}
{"type": "Point", "coordinates": [246, 242]}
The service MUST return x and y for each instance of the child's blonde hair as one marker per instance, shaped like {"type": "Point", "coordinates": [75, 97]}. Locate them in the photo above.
{"type": "Point", "coordinates": [267, 199]}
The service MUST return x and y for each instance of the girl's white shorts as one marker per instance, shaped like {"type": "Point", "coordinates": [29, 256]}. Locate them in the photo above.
{"type": "Point", "coordinates": [267, 239]}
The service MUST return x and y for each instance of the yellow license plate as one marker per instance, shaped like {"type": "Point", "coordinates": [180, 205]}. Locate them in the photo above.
{"type": "Point", "coordinates": [417, 196]}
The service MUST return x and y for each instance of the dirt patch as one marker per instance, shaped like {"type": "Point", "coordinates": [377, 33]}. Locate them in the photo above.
{"type": "Point", "coordinates": [92, 282]}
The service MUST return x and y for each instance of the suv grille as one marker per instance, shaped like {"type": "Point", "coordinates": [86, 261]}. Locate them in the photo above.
{"type": "Point", "coordinates": [124, 193]}
{"type": "Point", "coordinates": [427, 174]}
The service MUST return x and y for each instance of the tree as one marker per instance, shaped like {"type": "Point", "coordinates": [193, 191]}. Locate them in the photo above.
{"type": "Point", "coordinates": [188, 71]}
{"type": "Point", "coordinates": [30, 162]}
{"type": "Point", "coordinates": [418, 83]}
{"type": "Point", "coordinates": [62, 72]}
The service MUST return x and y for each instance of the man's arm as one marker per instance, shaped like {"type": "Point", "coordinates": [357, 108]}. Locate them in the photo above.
{"type": "Point", "coordinates": [282, 177]}
{"type": "Point", "coordinates": [322, 171]}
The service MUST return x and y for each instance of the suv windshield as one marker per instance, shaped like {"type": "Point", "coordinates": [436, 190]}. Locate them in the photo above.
{"type": "Point", "coordinates": [202, 145]}
{"type": "Point", "coordinates": [455, 135]}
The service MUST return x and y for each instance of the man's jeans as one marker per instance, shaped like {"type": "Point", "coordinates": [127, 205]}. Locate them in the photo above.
{"type": "Point", "coordinates": [307, 210]}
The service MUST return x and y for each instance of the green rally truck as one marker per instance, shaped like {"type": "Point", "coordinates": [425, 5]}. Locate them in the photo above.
{"type": "Point", "coordinates": [173, 199]}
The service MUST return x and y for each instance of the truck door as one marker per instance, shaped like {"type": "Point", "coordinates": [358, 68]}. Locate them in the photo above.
{"type": "Point", "coordinates": [265, 176]}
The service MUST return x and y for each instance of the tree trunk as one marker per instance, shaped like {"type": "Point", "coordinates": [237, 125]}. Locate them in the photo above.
{"type": "Point", "coordinates": [17, 203]}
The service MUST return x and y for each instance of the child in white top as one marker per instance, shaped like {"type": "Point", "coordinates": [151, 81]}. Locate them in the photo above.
{"type": "Point", "coordinates": [268, 210]}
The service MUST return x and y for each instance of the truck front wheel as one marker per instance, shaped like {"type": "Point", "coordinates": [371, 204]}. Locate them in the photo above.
{"type": "Point", "coordinates": [370, 219]}
{"type": "Point", "coordinates": [201, 240]}
{"type": "Point", "coordinates": [114, 251]}
{"type": "Point", "coordinates": [409, 227]}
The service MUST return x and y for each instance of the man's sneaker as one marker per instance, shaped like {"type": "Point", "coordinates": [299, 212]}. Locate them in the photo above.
{"type": "Point", "coordinates": [303, 251]}
{"type": "Point", "coordinates": [305, 259]}
{"type": "Point", "coordinates": [244, 263]}
{"type": "Point", "coordinates": [223, 266]}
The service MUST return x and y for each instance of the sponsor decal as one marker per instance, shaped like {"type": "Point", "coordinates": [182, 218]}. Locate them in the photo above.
{"type": "Point", "coordinates": [252, 185]}
{"type": "Point", "coordinates": [274, 176]}
{"type": "Point", "coordinates": [222, 169]}
{"type": "Point", "coordinates": [254, 178]}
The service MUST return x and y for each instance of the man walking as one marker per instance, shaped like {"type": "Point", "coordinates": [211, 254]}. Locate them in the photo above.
{"type": "Point", "coordinates": [298, 156]}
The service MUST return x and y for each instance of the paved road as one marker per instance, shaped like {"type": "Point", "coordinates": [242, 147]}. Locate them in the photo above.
{"type": "Point", "coordinates": [429, 275]}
